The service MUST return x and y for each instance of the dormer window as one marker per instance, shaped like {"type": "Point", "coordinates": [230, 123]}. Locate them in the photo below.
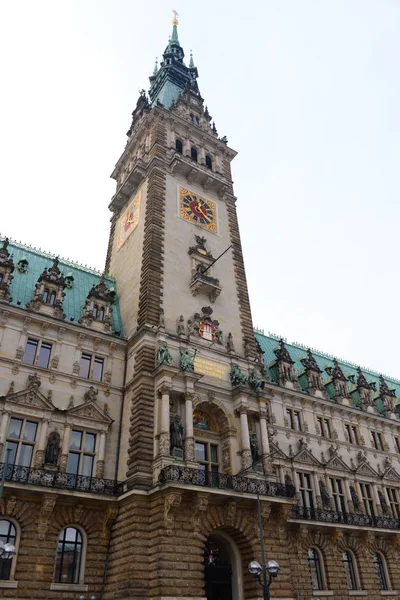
{"type": "Point", "coordinates": [178, 146]}
{"type": "Point", "coordinates": [208, 162]}
{"type": "Point", "coordinates": [193, 154]}
{"type": "Point", "coordinates": [52, 298]}
{"type": "Point", "coordinates": [45, 295]}
{"type": "Point", "coordinates": [101, 314]}
{"type": "Point", "coordinates": [95, 311]}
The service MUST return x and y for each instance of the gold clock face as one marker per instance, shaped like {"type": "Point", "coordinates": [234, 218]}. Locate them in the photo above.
{"type": "Point", "coordinates": [198, 210]}
{"type": "Point", "coordinates": [129, 220]}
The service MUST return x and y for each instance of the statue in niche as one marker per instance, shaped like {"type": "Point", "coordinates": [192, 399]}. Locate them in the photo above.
{"type": "Point", "coordinates": [354, 498]}
{"type": "Point", "coordinates": [187, 360]}
{"type": "Point", "coordinates": [326, 499]}
{"type": "Point", "coordinates": [382, 502]}
{"type": "Point", "coordinates": [52, 449]}
{"type": "Point", "coordinates": [255, 454]}
{"type": "Point", "coordinates": [176, 432]}
{"type": "Point", "coordinates": [163, 355]}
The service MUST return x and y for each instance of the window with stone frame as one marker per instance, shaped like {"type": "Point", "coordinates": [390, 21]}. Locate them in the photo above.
{"type": "Point", "coordinates": [378, 441]}
{"type": "Point", "coordinates": [82, 453]}
{"type": "Point", "coordinates": [91, 366]}
{"type": "Point", "coordinates": [21, 438]}
{"type": "Point", "coordinates": [8, 535]}
{"type": "Point", "coordinates": [69, 556]}
{"type": "Point", "coordinates": [367, 498]}
{"type": "Point", "coordinates": [37, 353]}
{"type": "Point", "coordinates": [393, 496]}
{"type": "Point", "coordinates": [382, 571]}
{"type": "Point", "coordinates": [352, 433]}
{"type": "Point", "coordinates": [316, 568]}
{"type": "Point", "coordinates": [306, 491]}
{"type": "Point", "coordinates": [293, 419]}
{"type": "Point", "coordinates": [98, 312]}
{"type": "Point", "coordinates": [325, 427]}
{"type": "Point", "coordinates": [49, 296]}
{"type": "Point", "coordinates": [397, 442]}
{"type": "Point", "coordinates": [351, 570]}
{"type": "Point", "coordinates": [338, 495]}
{"type": "Point", "coordinates": [207, 457]}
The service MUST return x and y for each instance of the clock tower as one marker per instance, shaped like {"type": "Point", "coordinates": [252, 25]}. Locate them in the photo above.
{"type": "Point", "coordinates": [176, 254]}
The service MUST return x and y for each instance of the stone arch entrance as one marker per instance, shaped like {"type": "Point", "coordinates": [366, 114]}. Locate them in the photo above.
{"type": "Point", "coordinates": [222, 568]}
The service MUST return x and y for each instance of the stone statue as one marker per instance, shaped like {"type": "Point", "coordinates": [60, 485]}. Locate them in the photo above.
{"type": "Point", "coordinates": [163, 355]}
{"type": "Point", "coordinates": [382, 502]}
{"type": "Point", "coordinates": [52, 449]}
{"type": "Point", "coordinates": [229, 344]}
{"type": "Point", "coordinates": [256, 382]}
{"type": "Point", "coordinates": [91, 394]}
{"type": "Point", "coordinates": [187, 360]}
{"type": "Point", "coordinates": [326, 499]}
{"type": "Point", "coordinates": [6, 241]}
{"type": "Point", "coordinates": [176, 432]}
{"type": "Point", "coordinates": [237, 376]}
{"type": "Point", "coordinates": [255, 454]}
{"type": "Point", "coordinates": [181, 325]}
{"type": "Point", "coordinates": [354, 498]}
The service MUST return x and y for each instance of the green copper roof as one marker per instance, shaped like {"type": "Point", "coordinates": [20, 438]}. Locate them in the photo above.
{"type": "Point", "coordinates": [269, 343]}
{"type": "Point", "coordinates": [174, 37]}
{"type": "Point", "coordinates": [23, 285]}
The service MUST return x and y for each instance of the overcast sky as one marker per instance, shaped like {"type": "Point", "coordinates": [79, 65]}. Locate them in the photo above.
{"type": "Point", "coordinates": [308, 93]}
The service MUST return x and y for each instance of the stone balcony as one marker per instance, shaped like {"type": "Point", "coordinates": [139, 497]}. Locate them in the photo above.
{"type": "Point", "coordinates": [331, 517]}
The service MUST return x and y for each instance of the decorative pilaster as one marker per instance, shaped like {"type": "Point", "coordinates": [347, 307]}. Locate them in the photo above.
{"type": "Point", "coordinates": [247, 460]}
{"type": "Point", "coordinates": [266, 458]}
{"type": "Point", "coordinates": [189, 437]}
{"type": "Point", "coordinates": [5, 417]}
{"type": "Point", "coordinates": [100, 459]}
{"type": "Point", "coordinates": [164, 436]}
{"type": "Point", "coordinates": [40, 452]}
{"type": "Point", "coordinates": [65, 449]}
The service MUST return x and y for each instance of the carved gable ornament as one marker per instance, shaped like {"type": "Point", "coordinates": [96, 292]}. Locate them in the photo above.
{"type": "Point", "coordinates": [391, 474]}
{"type": "Point", "coordinates": [90, 411]}
{"type": "Point", "coordinates": [365, 468]}
{"type": "Point", "coordinates": [276, 452]}
{"type": "Point", "coordinates": [306, 457]}
{"type": "Point", "coordinates": [337, 462]}
{"type": "Point", "coordinates": [30, 397]}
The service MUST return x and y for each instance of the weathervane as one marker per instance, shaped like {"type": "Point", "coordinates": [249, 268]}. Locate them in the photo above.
{"type": "Point", "coordinates": [175, 19]}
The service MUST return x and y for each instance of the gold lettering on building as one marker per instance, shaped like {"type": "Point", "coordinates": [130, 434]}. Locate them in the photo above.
{"type": "Point", "coordinates": [210, 368]}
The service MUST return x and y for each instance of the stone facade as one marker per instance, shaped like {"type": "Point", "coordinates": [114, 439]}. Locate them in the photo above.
{"type": "Point", "coordinates": [141, 415]}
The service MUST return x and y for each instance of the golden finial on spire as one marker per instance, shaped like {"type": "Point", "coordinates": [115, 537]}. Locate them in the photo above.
{"type": "Point", "coordinates": [175, 19]}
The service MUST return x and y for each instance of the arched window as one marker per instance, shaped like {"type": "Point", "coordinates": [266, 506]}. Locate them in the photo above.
{"type": "Point", "coordinates": [69, 556]}
{"type": "Point", "coordinates": [208, 162]}
{"type": "Point", "coordinates": [8, 535]}
{"type": "Point", "coordinates": [52, 298]}
{"type": "Point", "coordinates": [193, 154]}
{"type": "Point", "coordinates": [178, 146]}
{"type": "Point", "coordinates": [45, 295]}
{"type": "Point", "coordinates": [382, 572]}
{"type": "Point", "coordinates": [350, 567]}
{"type": "Point", "coordinates": [315, 564]}
{"type": "Point", "coordinates": [95, 311]}
{"type": "Point", "coordinates": [101, 314]}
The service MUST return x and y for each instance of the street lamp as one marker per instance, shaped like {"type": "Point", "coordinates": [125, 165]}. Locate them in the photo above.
{"type": "Point", "coordinates": [255, 569]}
{"type": "Point", "coordinates": [7, 551]}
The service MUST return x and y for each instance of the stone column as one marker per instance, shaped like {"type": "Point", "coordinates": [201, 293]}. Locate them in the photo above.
{"type": "Point", "coordinates": [348, 498]}
{"type": "Point", "coordinates": [100, 457]}
{"type": "Point", "coordinates": [5, 417]}
{"type": "Point", "coordinates": [266, 459]}
{"type": "Point", "coordinates": [247, 460]}
{"type": "Point", "coordinates": [189, 437]}
{"type": "Point", "coordinates": [164, 437]}
{"type": "Point", "coordinates": [317, 493]}
{"type": "Point", "coordinates": [65, 449]}
{"type": "Point", "coordinates": [40, 452]}
{"type": "Point", "coordinates": [386, 496]}
{"type": "Point", "coordinates": [376, 501]}
{"type": "Point", "coordinates": [359, 494]}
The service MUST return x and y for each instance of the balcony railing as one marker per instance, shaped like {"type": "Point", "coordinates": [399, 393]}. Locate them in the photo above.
{"type": "Point", "coordinates": [331, 516]}
{"type": "Point", "coordinates": [235, 483]}
{"type": "Point", "coordinates": [64, 481]}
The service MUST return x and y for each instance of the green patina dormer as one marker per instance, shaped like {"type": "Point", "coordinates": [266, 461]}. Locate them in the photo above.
{"type": "Point", "coordinates": [173, 76]}
{"type": "Point", "coordinates": [380, 386]}
{"type": "Point", "coordinates": [81, 279]}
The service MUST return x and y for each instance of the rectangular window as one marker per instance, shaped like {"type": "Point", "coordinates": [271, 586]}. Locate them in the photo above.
{"type": "Point", "coordinates": [305, 490]}
{"type": "Point", "coordinates": [338, 495]}
{"type": "Point", "coordinates": [91, 367]}
{"type": "Point", "coordinates": [352, 434]}
{"type": "Point", "coordinates": [324, 426]}
{"type": "Point", "coordinates": [81, 453]}
{"type": "Point", "coordinates": [37, 353]}
{"type": "Point", "coordinates": [207, 456]}
{"type": "Point", "coordinates": [293, 418]}
{"type": "Point", "coordinates": [377, 440]}
{"type": "Point", "coordinates": [366, 494]}
{"type": "Point", "coordinates": [21, 439]}
{"type": "Point", "coordinates": [394, 502]}
{"type": "Point", "coordinates": [397, 442]}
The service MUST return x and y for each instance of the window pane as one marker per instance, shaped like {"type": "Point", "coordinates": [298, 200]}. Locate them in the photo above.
{"type": "Point", "coordinates": [13, 447]}
{"type": "Point", "coordinates": [214, 454]}
{"type": "Point", "coordinates": [14, 429]}
{"type": "Point", "coordinates": [315, 569]}
{"type": "Point", "coordinates": [44, 355]}
{"type": "Point", "coordinates": [45, 295]}
{"type": "Point", "coordinates": [84, 365]}
{"type": "Point", "coordinates": [52, 298]}
{"type": "Point", "coordinates": [30, 352]}
{"type": "Point", "coordinates": [87, 465]}
{"type": "Point", "coordinates": [29, 431]}
{"type": "Point", "coordinates": [76, 440]}
{"type": "Point", "coordinates": [25, 455]}
{"type": "Point", "coordinates": [98, 368]}
{"type": "Point", "coordinates": [297, 424]}
{"type": "Point", "coordinates": [73, 463]}
{"type": "Point", "coordinates": [68, 556]}
{"type": "Point", "coordinates": [71, 534]}
{"type": "Point", "coordinates": [90, 441]}
{"type": "Point", "coordinates": [200, 451]}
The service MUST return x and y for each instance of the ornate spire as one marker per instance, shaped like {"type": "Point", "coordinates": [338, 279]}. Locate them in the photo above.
{"type": "Point", "coordinates": [361, 381]}
{"type": "Point", "coordinates": [155, 68]}
{"type": "Point", "coordinates": [310, 364]}
{"type": "Point", "coordinates": [174, 37]}
{"type": "Point", "coordinates": [191, 63]}
{"type": "Point", "coordinates": [384, 389]}
{"type": "Point", "coordinates": [282, 354]}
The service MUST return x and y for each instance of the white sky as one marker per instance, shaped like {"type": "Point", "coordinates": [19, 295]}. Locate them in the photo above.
{"type": "Point", "coordinates": [307, 91]}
